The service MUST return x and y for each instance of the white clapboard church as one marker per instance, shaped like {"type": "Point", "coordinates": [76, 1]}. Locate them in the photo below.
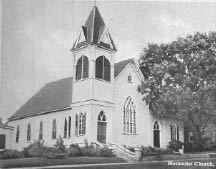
{"type": "Point", "coordinates": [98, 103]}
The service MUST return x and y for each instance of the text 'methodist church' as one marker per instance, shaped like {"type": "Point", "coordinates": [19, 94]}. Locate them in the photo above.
{"type": "Point", "coordinates": [99, 103]}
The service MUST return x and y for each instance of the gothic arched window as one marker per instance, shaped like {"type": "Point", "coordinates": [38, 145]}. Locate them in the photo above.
{"type": "Point", "coordinates": [65, 128]}
{"type": "Point", "coordinates": [129, 116]}
{"type": "Point", "coordinates": [54, 129]}
{"type": "Point", "coordinates": [41, 131]}
{"type": "Point", "coordinates": [82, 68]}
{"type": "Point", "coordinates": [29, 132]}
{"type": "Point", "coordinates": [69, 127]}
{"type": "Point", "coordinates": [17, 134]}
{"type": "Point", "coordinates": [102, 70]}
{"type": "Point", "coordinates": [174, 132]}
{"type": "Point", "coordinates": [80, 124]}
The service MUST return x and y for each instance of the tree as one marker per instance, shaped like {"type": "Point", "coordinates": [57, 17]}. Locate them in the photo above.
{"type": "Point", "coordinates": [180, 80]}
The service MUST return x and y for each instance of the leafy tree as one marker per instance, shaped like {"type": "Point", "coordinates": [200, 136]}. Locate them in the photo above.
{"type": "Point", "coordinates": [180, 80]}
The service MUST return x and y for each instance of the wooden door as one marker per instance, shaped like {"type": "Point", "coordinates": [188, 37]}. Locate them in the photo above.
{"type": "Point", "coordinates": [157, 138]}
{"type": "Point", "coordinates": [101, 132]}
{"type": "Point", "coordinates": [2, 141]}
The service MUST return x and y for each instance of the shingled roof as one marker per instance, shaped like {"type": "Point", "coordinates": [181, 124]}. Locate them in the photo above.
{"type": "Point", "coordinates": [54, 96]}
{"type": "Point", "coordinates": [120, 66]}
{"type": "Point", "coordinates": [93, 30]}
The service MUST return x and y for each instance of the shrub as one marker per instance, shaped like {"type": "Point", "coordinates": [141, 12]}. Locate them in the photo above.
{"type": "Point", "coordinates": [175, 145]}
{"type": "Point", "coordinates": [149, 151]}
{"type": "Point", "coordinates": [10, 153]}
{"type": "Point", "coordinates": [60, 145]}
{"type": "Point", "coordinates": [106, 152]}
{"type": "Point", "coordinates": [91, 151]}
{"type": "Point", "coordinates": [36, 149]}
{"type": "Point", "coordinates": [74, 151]}
{"type": "Point", "coordinates": [25, 151]}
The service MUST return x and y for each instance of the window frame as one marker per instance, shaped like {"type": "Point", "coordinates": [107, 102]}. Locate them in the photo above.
{"type": "Point", "coordinates": [28, 132]}
{"type": "Point", "coordinates": [129, 117]}
{"type": "Point", "coordinates": [174, 132]}
{"type": "Point", "coordinates": [17, 134]}
{"type": "Point", "coordinates": [84, 67]}
{"type": "Point", "coordinates": [102, 70]}
{"type": "Point", "coordinates": [80, 124]}
{"type": "Point", "coordinates": [54, 129]}
{"type": "Point", "coordinates": [41, 130]}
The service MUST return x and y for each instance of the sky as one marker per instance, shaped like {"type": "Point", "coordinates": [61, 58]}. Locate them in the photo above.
{"type": "Point", "coordinates": [38, 35]}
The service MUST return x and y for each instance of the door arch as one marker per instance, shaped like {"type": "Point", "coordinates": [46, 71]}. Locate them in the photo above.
{"type": "Point", "coordinates": [102, 127]}
{"type": "Point", "coordinates": [156, 134]}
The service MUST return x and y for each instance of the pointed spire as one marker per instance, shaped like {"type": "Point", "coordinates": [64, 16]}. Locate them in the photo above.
{"type": "Point", "coordinates": [93, 30]}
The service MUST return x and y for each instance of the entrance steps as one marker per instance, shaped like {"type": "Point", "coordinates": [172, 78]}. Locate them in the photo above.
{"type": "Point", "coordinates": [120, 151]}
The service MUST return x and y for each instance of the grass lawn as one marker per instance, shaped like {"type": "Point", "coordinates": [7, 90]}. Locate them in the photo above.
{"type": "Point", "coordinates": [158, 165]}
{"type": "Point", "coordinates": [37, 162]}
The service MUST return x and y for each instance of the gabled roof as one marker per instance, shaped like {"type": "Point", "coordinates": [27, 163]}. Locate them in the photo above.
{"type": "Point", "coordinates": [92, 30]}
{"type": "Point", "coordinates": [120, 66]}
{"type": "Point", "coordinates": [54, 96]}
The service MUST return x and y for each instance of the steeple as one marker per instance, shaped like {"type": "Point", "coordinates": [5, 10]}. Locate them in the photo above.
{"type": "Point", "coordinates": [94, 32]}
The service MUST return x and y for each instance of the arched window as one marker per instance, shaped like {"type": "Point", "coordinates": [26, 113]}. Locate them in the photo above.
{"type": "Point", "coordinates": [129, 116]}
{"type": "Point", "coordinates": [41, 131]}
{"type": "Point", "coordinates": [102, 127]}
{"type": "Point", "coordinates": [54, 129]}
{"type": "Point", "coordinates": [29, 132]}
{"type": "Point", "coordinates": [174, 132]}
{"type": "Point", "coordinates": [82, 68]}
{"type": "Point", "coordinates": [17, 134]}
{"type": "Point", "coordinates": [65, 128]}
{"type": "Point", "coordinates": [80, 124]}
{"type": "Point", "coordinates": [102, 117]}
{"type": "Point", "coordinates": [69, 127]}
{"type": "Point", "coordinates": [156, 126]}
{"type": "Point", "coordinates": [102, 70]}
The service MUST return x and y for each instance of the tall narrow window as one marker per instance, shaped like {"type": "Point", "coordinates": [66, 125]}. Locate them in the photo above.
{"type": "Point", "coordinates": [17, 134]}
{"type": "Point", "coordinates": [129, 118]}
{"type": "Point", "coordinates": [80, 124]}
{"type": "Point", "coordinates": [41, 131]}
{"type": "Point", "coordinates": [29, 132]}
{"type": "Point", "coordinates": [174, 132]}
{"type": "Point", "coordinates": [54, 128]}
{"type": "Point", "coordinates": [69, 127]}
{"type": "Point", "coordinates": [65, 128]}
{"type": "Point", "coordinates": [102, 70]}
{"type": "Point", "coordinates": [82, 68]}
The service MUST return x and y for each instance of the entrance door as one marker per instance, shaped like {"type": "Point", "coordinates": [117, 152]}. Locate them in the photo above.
{"type": "Point", "coordinates": [102, 128]}
{"type": "Point", "coordinates": [156, 133]}
{"type": "Point", "coordinates": [157, 138]}
{"type": "Point", "coordinates": [2, 141]}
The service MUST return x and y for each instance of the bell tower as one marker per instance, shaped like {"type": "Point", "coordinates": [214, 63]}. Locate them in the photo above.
{"type": "Point", "coordinates": [93, 74]}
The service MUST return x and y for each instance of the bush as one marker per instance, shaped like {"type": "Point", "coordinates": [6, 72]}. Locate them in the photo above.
{"type": "Point", "coordinates": [149, 151]}
{"type": "Point", "coordinates": [10, 153]}
{"type": "Point", "coordinates": [25, 151]}
{"type": "Point", "coordinates": [36, 149]}
{"type": "Point", "coordinates": [175, 145]}
{"type": "Point", "coordinates": [91, 151]}
{"type": "Point", "coordinates": [106, 152]}
{"type": "Point", "coordinates": [60, 145]}
{"type": "Point", "coordinates": [74, 151]}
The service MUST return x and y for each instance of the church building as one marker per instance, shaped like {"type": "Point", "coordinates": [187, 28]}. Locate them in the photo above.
{"type": "Point", "coordinates": [98, 103]}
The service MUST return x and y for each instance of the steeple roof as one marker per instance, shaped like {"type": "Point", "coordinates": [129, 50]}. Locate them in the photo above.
{"type": "Point", "coordinates": [94, 32]}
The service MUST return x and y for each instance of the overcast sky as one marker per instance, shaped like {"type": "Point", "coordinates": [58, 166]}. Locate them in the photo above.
{"type": "Point", "coordinates": [38, 35]}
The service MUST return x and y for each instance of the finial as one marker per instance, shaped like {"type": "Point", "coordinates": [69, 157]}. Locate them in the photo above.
{"type": "Point", "coordinates": [94, 2]}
